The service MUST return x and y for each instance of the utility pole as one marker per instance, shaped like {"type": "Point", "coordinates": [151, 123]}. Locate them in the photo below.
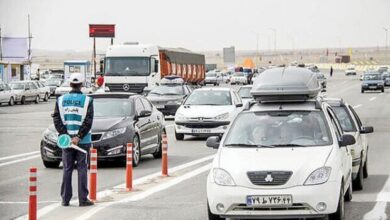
{"type": "Point", "coordinates": [29, 46]}
{"type": "Point", "coordinates": [94, 56]}
{"type": "Point", "coordinates": [386, 30]}
{"type": "Point", "coordinates": [1, 46]}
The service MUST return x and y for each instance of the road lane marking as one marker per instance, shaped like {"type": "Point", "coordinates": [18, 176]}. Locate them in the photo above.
{"type": "Point", "coordinates": [18, 155]}
{"type": "Point", "coordinates": [26, 202]}
{"type": "Point", "coordinates": [147, 193]}
{"type": "Point", "coordinates": [47, 209]}
{"type": "Point", "coordinates": [379, 210]}
{"type": "Point", "coordinates": [357, 106]}
{"type": "Point", "coordinates": [19, 160]}
{"type": "Point", "coordinates": [373, 98]}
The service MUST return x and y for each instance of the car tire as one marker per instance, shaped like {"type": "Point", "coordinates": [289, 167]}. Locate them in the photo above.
{"type": "Point", "coordinates": [362, 90]}
{"type": "Point", "coordinates": [158, 153]}
{"type": "Point", "coordinates": [383, 90]}
{"type": "Point", "coordinates": [11, 101]}
{"type": "Point", "coordinates": [365, 168]}
{"type": "Point", "coordinates": [358, 182]}
{"type": "Point", "coordinates": [179, 136]}
{"type": "Point", "coordinates": [348, 194]}
{"type": "Point", "coordinates": [136, 151]}
{"type": "Point", "coordinates": [51, 164]}
{"type": "Point", "coordinates": [340, 213]}
{"type": "Point", "coordinates": [37, 99]}
{"type": "Point", "coordinates": [23, 100]}
{"type": "Point", "coordinates": [46, 98]}
{"type": "Point", "coordinates": [212, 216]}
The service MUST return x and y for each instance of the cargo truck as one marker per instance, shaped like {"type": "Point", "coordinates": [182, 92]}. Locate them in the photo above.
{"type": "Point", "coordinates": [133, 67]}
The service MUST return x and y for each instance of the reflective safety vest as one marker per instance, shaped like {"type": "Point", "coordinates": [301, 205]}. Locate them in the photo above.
{"type": "Point", "coordinates": [73, 108]}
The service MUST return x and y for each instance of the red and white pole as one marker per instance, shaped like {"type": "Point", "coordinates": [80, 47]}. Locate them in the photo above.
{"type": "Point", "coordinates": [129, 167]}
{"type": "Point", "coordinates": [164, 155]}
{"type": "Point", "coordinates": [32, 200]}
{"type": "Point", "coordinates": [93, 175]}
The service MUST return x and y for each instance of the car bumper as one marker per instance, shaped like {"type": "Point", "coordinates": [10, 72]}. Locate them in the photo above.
{"type": "Point", "coordinates": [373, 87]}
{"type": "Point", "coordinates": [110, 149]}
{"type": "Point", "coordinates": [201, 128]}
{"type": "Point", "coordinates": [305, 200]}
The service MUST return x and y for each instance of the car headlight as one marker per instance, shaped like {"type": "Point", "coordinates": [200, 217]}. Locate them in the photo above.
{"type": "Point", "coordinates": [113, 133]}
{"type": "Point", "coordinates": [319, 176]}
{"type": "Point", "coordinates": [223, 178]}
{"type": "Point", "coordinates": [174, 102]}
{"type": "Point", "coordinates": [180, 117]}
{"type": "Point", "coordinates": [50, 135]}
{"type": "Point", "coordinates": [222, 116]}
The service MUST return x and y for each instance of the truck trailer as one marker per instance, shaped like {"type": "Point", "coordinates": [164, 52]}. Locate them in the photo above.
{"type": "Point", "coordinates": [133, 67]}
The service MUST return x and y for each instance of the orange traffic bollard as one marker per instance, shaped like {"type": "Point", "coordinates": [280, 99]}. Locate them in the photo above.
{"type": "Point", "coordinates": [129, 167]}
{"type": "Point", "coordinates": [164, 155]}
{"type": "Point", "coordinates": [93, 175]}
{"type": "Point", "coordinates": [32, 200]}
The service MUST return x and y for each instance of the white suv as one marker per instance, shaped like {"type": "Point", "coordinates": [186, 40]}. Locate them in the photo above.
{"type": "Point", "coordinates": [207, 112]}
{"type": "Point", "coordinates": [284, 156]}
{"type": "Point", "coordinates": [351, 124]}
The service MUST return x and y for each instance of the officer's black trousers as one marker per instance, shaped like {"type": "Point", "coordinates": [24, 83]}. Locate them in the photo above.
{"type": "Point", "coordinates": [70, 159]}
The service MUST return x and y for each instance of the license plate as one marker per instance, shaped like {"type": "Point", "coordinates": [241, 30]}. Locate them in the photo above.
{"type": "Point", "coordinates": [160, 106]}
{"type": "Point", "coordinates": [272, 200]}
{"type": "Point", "coordinates": [372, 87]}
{"type": "Point", "coordinates": [201, 131]}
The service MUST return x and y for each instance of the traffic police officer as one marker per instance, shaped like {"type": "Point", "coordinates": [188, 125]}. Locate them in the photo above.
{"type": "Point", "coordinates": [73, 115]}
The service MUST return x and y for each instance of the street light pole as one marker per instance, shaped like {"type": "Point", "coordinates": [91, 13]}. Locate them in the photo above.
{"type": "Point", "coordinates": [387, 30]}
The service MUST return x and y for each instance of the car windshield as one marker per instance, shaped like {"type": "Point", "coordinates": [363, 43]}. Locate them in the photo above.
{"type": "Point", "coordinates": [167, 90]}
{"type": "Point", "coordinates": [105, 107]}
{"type": "Point", "coordinates": [211, 74]}
{"type": "Point", "coordinates": [372, 77]}
{"type": "Point", "coordinates": [239, 74]}
{"type": "Point", "coordinates": [209, 97]}
{"type": "Point", "coordinates": [245, 92]}
{"type": "Point", "coordinates": [344, 118]}
{"type": "Point", "coordinates": [127, 66]}
{"type": "Point", "coordinates": [279, 129]}
{"type": "Point", "coordinates": [17, 86]}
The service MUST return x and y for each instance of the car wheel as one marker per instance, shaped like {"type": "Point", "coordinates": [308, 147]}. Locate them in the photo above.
{"type": "Point", "coordinates": [383, 90]}
{"type": "Point", "coordinates": [212, 216]}
{"type": "Point", "coordinates": [178, 136]}
{"type": "Point", "coordinates": [46, 98]}
{"type": "Point", "coordinates": [348, 194]}
{"type": "Point", "coordinates": [51, 164]}
{"type": "Point", "coordinates": [339, 214]}
{"type": "Point", "coordinates": [136, 151]}
{"type": "Point", "coordinates": [365, 168]}
{"type": "Point", "coordinates": [158, 153]}
{"type": "Point", "coordinates": [362, 90]}
{"type": "Point", "coordinates": [11, 101]}
{"type": "Point", "coordinates": [37, 99]}
{"type": "Point", "coordinates": [358, 182]}
{"type": "Point", "coordinates": [23, 100]}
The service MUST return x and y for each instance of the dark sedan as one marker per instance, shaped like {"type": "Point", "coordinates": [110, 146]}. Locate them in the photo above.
{"type": "Point", "coordinates": [119, 118]}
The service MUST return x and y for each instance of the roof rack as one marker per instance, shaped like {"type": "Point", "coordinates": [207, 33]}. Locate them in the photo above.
{"type": "Point", "coordinates": [291, 84]}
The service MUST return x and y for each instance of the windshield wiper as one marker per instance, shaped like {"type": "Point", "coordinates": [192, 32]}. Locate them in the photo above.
{"type": "Point", "coordinates": [289, 145]}
{"type": "Point", "coordinates": [249, 145]}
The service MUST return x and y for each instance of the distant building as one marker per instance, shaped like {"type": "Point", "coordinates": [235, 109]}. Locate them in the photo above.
{"type": "Point", "coordinates": [229, 56]}
{"type": "Point", "coordinates": [14, 59]}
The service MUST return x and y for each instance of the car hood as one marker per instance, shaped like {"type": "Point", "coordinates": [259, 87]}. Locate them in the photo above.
{"type": "Point", "coordinates": [372, 81]}
{"type": "Point", "coordinates": [302, 161]}
{"type": "Point", "coordinates": [211, 77]}
{"type": "Point", "coordinates": [194, 111]}
{"type": "Point", "coordinates": [163, 98]}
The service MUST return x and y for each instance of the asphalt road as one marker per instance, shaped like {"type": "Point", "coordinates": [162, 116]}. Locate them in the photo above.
{"type": "Point", "coordinates": [185, 197]}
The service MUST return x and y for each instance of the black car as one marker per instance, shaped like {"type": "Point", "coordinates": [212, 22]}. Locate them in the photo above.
{"type": "Point", "coordinates": [119, 118]}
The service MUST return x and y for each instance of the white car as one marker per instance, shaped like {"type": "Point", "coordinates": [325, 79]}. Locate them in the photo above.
{"type": "Point", "coordinates": [6, 94]}
{"type": "Point", "coordinates": [206, 112]}
{"type": "Point", "coordinates": [245, 94]}
{"type": "Point", "coordinates": [351, 124]}
{"type": "Point", "coordinates": [238, 78]}
{"type": "Point", "coordinates": [65, 88]}
{"type": "Point", "coordinates": [284, 156]}
{"type": "Point", "coordinates": [44, 91]}
{"type": "Point", "coordinates": [212, 78]}
{"type": "Point", "coordinates": [25, 91]}
{"type": "Point", "coordinates": [350, 71]}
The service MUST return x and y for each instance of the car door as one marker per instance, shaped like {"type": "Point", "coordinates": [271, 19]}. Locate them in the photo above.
{"type": "Point", "coordinates": [345, 151]}
{"type": "Point", "coordinates": [152, 128]}
{"type": "Point", "coordinates": [3, 92]}
{"type": "Point", "coordinates": [142, 123]}
{"type": "Point", "coordinates": [34, 90]}
{"type": "Point", "coordinates": [359, 126]}
{"type": "Point", "coordinates": [27, 92]}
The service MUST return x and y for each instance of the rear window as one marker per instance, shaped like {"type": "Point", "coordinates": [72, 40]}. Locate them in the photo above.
{"type": "Point", "coordinates": [345, 119]}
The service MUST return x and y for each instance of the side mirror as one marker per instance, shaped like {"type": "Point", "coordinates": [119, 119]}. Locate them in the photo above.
{"type": "Point", "coordinates": [367, 130]}
{"type": "Point", "coordinates": [144, 113]}
{"type": "Point", "coordinates": [239, 105]}
{"type": "Point", "coordinates": [213, 142]}
{"type": "Point", "coordinates": [1, 89]}
{"type": "Point", "coordinates": [346, 140]}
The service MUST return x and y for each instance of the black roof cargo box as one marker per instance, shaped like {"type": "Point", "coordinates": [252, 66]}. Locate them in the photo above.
{"type": "Point", "coordinates": [291, 84]}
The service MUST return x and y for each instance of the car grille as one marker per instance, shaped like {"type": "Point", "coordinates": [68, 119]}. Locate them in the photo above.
{"type": "Point", "coordinates": [269, 178]}
{"type": "Point", "coordinates": [202, 124]}
{"type": "Point", "coordinates": [372, 84]}
{"type": "Point", "coordinates": [133, 87]}
{"type": "Point", "coordinates": [295, 206]}
{"type": "Point", "coordinates": [96, 137]}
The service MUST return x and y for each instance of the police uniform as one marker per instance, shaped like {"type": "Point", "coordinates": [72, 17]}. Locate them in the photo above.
{"type": "Point", "coordinates": [73, 115]}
